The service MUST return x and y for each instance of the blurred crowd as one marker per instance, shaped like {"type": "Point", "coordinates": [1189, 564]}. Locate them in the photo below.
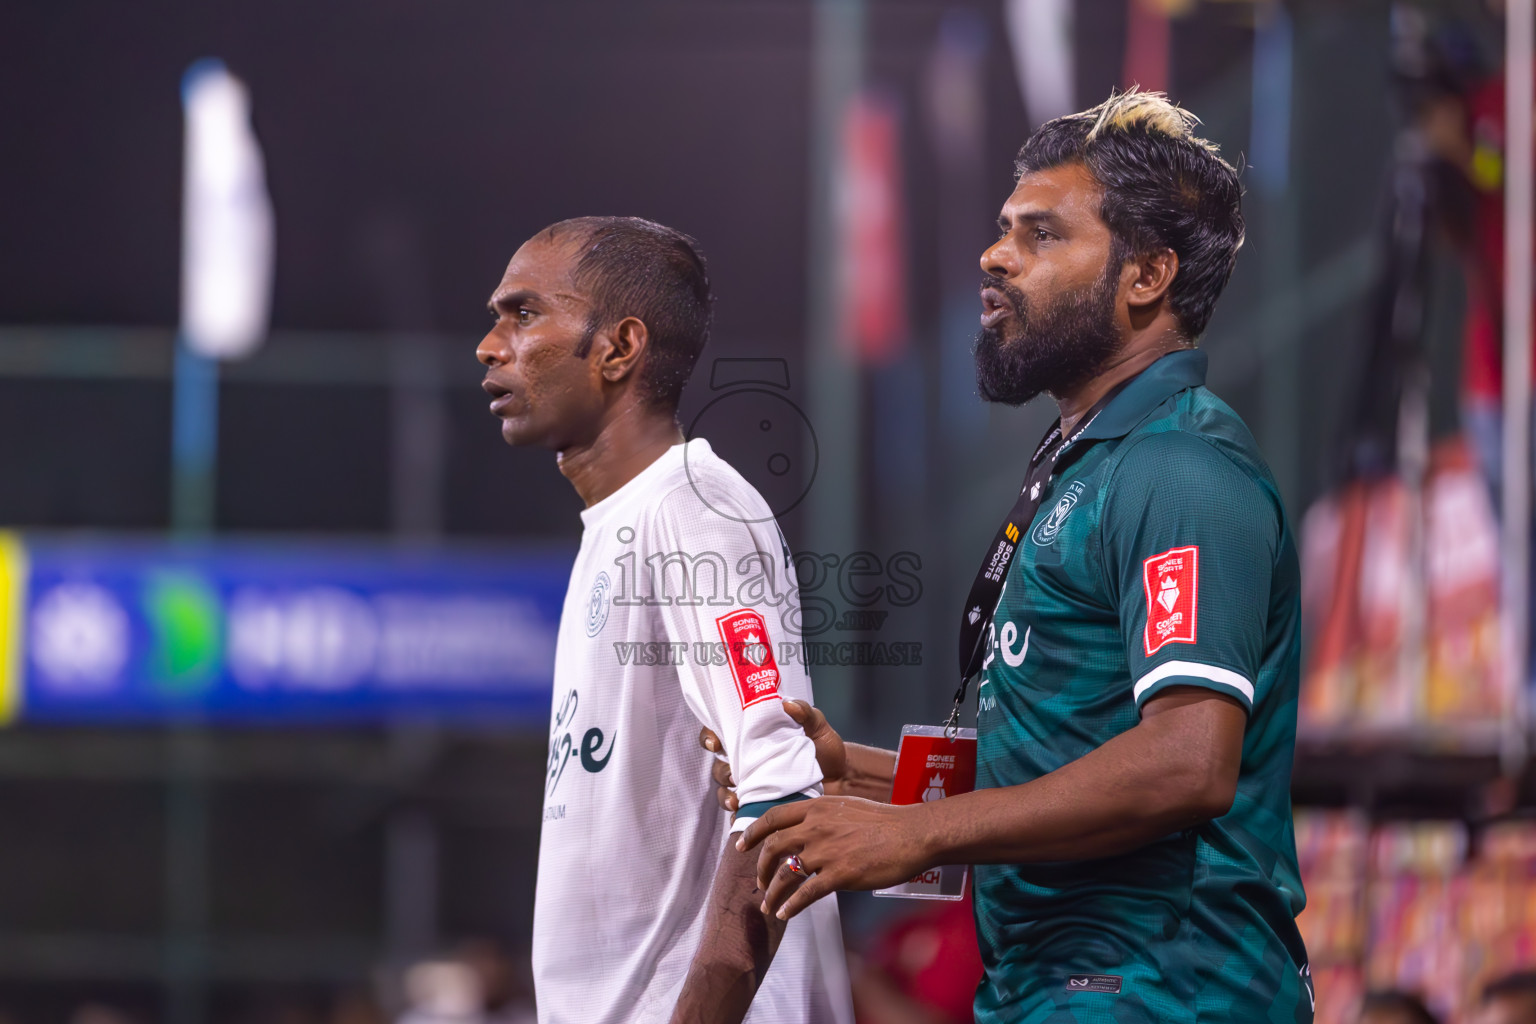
{"type": "Point", "coordinates": [918, 967]}
{"type": "Point", "coordinates": [475, 982]}
{"type": "Point", "coordinates": [1510, 999]}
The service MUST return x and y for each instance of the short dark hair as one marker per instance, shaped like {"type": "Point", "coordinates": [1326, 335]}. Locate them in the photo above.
{"type": "Point", "coordinates": [1520, 983]}
{"type": "Point", "coordinates": [1406, 1004]}
{"type": "Point", "coordinates": [630, 266]}
{"type": "Point", "coordinates": [1164, 188]}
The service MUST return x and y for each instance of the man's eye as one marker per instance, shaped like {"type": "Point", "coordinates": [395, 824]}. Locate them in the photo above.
{"type": "Point", "coordinates": [1042, 235]}
{"type": "Point", "coordinates": [524, 316]}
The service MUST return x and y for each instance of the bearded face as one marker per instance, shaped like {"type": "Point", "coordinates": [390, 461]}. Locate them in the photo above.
{"type": "Point", "coordinates": [1051, 347]}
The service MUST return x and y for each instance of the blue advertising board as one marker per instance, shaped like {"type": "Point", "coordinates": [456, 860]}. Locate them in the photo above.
{"type": "Point", "coordinates": [113, 630]}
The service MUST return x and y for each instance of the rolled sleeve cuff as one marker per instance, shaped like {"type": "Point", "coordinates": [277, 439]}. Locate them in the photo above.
{"type": "Point", "coordinates": [748, 813]}
{"type": "Point", "coordinates": [1193, 673]}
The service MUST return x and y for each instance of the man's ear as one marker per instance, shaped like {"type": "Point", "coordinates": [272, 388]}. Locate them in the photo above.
{"type": "Point", "coordinates": [1154, 275]}
{"type": "Point", "coordinates": [626, 348]}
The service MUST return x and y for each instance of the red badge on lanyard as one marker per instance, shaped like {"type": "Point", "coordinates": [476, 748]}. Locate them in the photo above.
{"type": "Point", "coordinates": [932, 766]}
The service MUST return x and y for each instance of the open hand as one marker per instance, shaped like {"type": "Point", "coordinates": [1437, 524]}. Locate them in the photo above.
{"type": "Point", "coordinates": [845, 842]}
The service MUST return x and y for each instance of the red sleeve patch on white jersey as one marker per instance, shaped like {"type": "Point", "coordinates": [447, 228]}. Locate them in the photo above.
{"type": "Point", "coordinates": [750, 654]}
{"type": "Point", "coordinates": [1173, 583]}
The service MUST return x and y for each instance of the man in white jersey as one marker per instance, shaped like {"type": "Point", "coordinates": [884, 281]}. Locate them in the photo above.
{"type": "Point", "coordinates": [678, 615]}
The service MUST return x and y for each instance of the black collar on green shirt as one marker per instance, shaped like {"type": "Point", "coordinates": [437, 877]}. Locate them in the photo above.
{"type": "Point", "coordinates": [1171, 374]}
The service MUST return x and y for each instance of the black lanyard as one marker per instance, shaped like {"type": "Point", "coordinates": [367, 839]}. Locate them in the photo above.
{"type": "Point", "coordinates": [981, 602]}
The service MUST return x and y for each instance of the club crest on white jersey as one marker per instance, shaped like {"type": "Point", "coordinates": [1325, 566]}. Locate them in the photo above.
{"type": "Point", "coordinates": [597, 604]}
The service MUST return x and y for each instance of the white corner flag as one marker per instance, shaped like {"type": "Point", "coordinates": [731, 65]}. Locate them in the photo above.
{"type": "Point", "coordinates": [1040, 37]}
{"type": "Point", "coordinates": [226, 249]}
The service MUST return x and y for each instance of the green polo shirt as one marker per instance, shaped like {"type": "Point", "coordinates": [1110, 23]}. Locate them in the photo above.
{"type": "Point", "coordinates": [1160, 557]}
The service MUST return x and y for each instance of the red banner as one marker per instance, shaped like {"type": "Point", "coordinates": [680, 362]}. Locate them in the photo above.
{"type": "Point", "coordinates": [872, 287]}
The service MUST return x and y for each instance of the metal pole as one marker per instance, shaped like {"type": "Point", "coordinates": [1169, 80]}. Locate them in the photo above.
{"type": "Point", "coordinates": [1517, 368]}
{"type": "Point", "coordinates": [194, 439]}
{"type": "Point", "coordinates": [957, 130]}
{"type": "Point", "coordinates": [833, 388]}
{"type": "Point", "coordinates": [411, 885]}
{"type": "Point", "coordinates": [1270, 146]}
{"type": "Point", "coordinates": [194, 449]}
{"type": "Point", "coordinates": [186, 876]}
{"type": "Point", "coordinates": [418, 445]}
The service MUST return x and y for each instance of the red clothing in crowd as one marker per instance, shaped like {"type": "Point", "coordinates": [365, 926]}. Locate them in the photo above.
{"type": "Point", "coordinates": [1483, 329]}
{"type": "Point", "coordinates": [933, 958]}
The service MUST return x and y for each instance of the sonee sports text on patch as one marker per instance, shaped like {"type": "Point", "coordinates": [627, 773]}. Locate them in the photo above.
{"type": "Point", "coordinates": [1172, 581]}
{"type": "Point", "coordinates": [750, 655]}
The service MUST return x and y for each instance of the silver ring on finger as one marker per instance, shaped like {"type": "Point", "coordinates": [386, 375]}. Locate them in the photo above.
{"type": "Point", "coordinates": [796, 865]}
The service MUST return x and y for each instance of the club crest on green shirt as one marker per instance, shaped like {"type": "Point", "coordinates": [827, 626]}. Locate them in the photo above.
{"type": "Point", "coordinates": [1046, 530]}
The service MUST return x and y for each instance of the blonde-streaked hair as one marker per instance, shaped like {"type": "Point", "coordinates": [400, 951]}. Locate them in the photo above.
{"type": "Point", "coordinates": [1164, 187]}
{"type": "Point", "coordinates": [1150, 110]}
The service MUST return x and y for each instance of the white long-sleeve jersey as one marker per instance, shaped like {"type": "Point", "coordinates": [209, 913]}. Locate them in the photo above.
{"type": "Point", "coordinates": [681, 611]}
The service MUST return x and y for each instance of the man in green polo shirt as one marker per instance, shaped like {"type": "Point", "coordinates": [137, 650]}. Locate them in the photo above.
{"type": "Point", "coordinates": [1136, 709]}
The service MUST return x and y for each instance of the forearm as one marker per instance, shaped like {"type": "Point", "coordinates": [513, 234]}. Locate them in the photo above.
{"type": "Point", "coordinates": [869, 774]}
{"type": "Point", "coordinates": [737, 945]}
{"type": "Point", "coordinates": [1137, 788]}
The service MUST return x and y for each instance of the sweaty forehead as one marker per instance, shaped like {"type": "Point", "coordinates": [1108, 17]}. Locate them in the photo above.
{"type": "Point", "coordinates": [1067, 191]}
{"type": "Point", "coordinates": [543, 265]}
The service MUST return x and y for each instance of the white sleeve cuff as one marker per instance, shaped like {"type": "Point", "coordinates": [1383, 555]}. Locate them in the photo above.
{"type": "Point", "coordinates": [1216, 678]}
{"type": "Point", "coordinates": [756, 810]}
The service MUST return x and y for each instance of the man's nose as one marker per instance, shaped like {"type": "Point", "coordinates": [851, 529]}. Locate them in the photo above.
{"type": "Point", "coordinates": [1000, 260]}
{"type": "Point", "coordinates": [492, 350]}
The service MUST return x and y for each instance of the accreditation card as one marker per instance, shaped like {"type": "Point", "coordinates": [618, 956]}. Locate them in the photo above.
{"type": "Point", "coordinates": [931, 766]}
